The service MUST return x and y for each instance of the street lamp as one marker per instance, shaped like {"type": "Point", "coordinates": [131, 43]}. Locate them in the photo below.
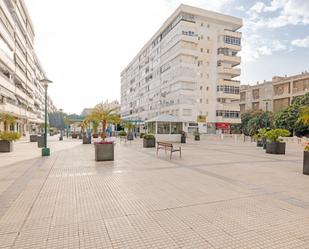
{"type": "Point", "coordinates": [266, 100]}
{"type": "Point", "coordinates": [45, 150]}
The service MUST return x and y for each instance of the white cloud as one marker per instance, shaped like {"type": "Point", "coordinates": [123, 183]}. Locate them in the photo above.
{"type": "Point", "coordinates": [304, 43]}
{"type": "Point", "coordinates": [286, 12]}
{"type": "Point", "coordinates": [240, 8]}
{"type": "Point", "coordinates": [255, 46]}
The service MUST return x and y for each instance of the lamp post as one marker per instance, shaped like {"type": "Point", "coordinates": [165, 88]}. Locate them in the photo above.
{"type": "Point", "coordinates": [266, 100]}
{"type": "Point", "coordinates": [45, 150]}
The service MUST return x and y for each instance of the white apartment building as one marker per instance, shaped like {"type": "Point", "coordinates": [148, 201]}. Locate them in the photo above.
{"type": "Point", "coordinates": [187, 70]}
{"type": "Point", "coordinates": [21, 93]}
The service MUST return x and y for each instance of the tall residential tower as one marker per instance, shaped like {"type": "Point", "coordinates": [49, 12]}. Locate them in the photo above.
{"type": "Point", "coordinates": [187, 69]}
{"type": "Point", "coordinates": [21, 93]}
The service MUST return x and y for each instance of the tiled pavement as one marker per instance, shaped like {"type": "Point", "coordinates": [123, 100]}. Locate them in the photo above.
{"type": "Point", "coordinates": [219, 195]}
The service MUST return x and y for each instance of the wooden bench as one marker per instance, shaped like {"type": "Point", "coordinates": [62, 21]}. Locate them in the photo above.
{"type": "Point", "coordinates": [168, 147]}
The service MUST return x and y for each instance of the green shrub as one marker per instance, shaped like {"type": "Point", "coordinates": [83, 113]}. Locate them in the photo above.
{"type": "Point", "coordinates": [148, 136]}
{"type": "Point", "coordinates": [9, 136]}
{"type": "Point", "coordinates": [307, 148]}
{"type": "Point", "coordinates": [122, 133]}
{"type": "Point", "coordinates": [275, 134]}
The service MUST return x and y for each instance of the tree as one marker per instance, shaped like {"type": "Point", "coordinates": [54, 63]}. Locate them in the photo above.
{"type": "Point", "coordinates": [289, 117]}
{"type": "Point", "coordinates": [253, 120]}
{"type": "Point", "coordinates": [304, 116]}
{"type": "Point", "coordinates": [104, 115]}
{"type": "Point", "coordinates": [7, 119]}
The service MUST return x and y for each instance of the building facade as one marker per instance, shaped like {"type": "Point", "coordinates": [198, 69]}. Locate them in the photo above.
{"type": "Point", "coordinates": [109, 105]}
{"type": "Point", "coordinates": [187, 69]}
{"type": "Point", "coordinates": [21, 93]}
{"type": "Point", "coordinates": [274, 95]}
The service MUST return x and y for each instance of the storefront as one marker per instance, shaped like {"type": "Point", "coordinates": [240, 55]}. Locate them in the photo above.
{"type": "Point", "coordinates": [223, 128]}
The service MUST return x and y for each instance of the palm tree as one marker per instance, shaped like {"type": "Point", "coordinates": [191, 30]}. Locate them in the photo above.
{"type": "Point", "coordinates": [304, 115]}
{"type": "Point", "coordinates": [104, 115]}
{"type": "Point", "coordinates": [7, 119]}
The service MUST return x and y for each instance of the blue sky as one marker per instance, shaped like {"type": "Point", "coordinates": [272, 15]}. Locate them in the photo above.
{"type": "Point", "coordinates": [84, 45]}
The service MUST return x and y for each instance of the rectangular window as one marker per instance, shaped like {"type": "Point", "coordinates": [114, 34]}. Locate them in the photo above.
{"type": "Point", "coordinates": [231, 40]}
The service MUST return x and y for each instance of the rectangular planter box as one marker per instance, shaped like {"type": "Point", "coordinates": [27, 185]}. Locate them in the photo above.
{"type": "Point", "coordinates": [40, 141]}
{"type": "Point", "coordinates": [104, 152]}
{"type": "Point", "coordinates": [275, 148]}
{"type": "Point", "coordinates": [6, 146]}
{"type": "Point", "coordinates": [149, 143]}
{"type": "Point", "coordinates": [86, 140]}
{"type": "Point", "coordinates": [259, 143]}
{"type": "Point", "coordinates": [33, 138]}
{"type": "Point", "coordinates": [130, 137]}
{"type": "Point", "coordinates": [196, 138]}
{"type": "Point", "coordinates": [306, 163]}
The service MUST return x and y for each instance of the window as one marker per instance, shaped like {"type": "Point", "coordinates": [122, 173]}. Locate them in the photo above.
{"type": "Point", "coordinates": [231, 40]}
{"type": "Point", "coordinates": [228, 89]}
{"type": "Point", "coordinates": [227, 114]}
{"type": "Point", "coordinates": [163, 128]}
{"type": "Point", "coordinates": [176, 128]}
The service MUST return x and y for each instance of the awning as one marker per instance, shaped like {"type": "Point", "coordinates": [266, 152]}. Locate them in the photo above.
{"type": "Point", "coordinates": [6, 93]}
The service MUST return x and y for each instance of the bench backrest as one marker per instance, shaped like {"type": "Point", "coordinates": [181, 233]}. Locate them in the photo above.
{"type": "Point", "coordinates": [165, 144]}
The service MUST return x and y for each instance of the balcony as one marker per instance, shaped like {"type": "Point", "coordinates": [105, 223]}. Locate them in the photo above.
{"type": "Point", "coordinates": [234, 60]}
{"type": "Point", "coordinates": [224, 95]}
{"type": "Point", "coordinates": [226, 82]}
{"type": "Point", "coordinates": [233, 72]}
{"type": "Point", "coordinates": [236, 34]}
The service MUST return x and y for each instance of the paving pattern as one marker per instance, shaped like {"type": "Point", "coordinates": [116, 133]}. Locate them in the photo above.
{"type": "Point", "coordinates": [221, 194]}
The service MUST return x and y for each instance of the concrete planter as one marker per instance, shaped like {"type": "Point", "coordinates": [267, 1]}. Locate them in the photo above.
{"type": "Point", "coordinates": [130, 137]}
{"type": "Point", "coordinates": [183, 139]}
{"type": "Point", "coordinates": [197, 137]}
{"type": "Point", "coordinates": [104, 152]}
{"type": "Point", "coordinates": [6, 146]}
{"type": "Point", "coordinates": [40, 141]}
{"type": "Point", "coordinates": [306, 163]}
{"type": "Point", "coordinates": [259, 143]}
{"type": "Point", "coordinates": [275, 148]}
{"type": "Point", "coordinates": [86, 139]}
{"type": "Point", "coordinates": [149, 143]}
{"type": "Point", "coordinates": [33, 138]}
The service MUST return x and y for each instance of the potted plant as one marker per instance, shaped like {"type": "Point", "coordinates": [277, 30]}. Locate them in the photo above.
{"type": "Point", "coordinates": [274, 144]}
{"type": "Point", "coordinates": [123, 135]}
{"type": "Point", "coordinates": [130, 127]}
{"type": "Point", "coordinates": [306, 160]}
{"type": "Point", "coordinates": [260, 137]}
{"type": "Point", "coordinates": [6, 140]}
{"type": "Point", "coordinates": [95, 125]}
{"type": "Point", "coordinates": [104, 150]}
{"type": "Point", "coordinates": [196, 136]}
{"type": "Point", "coordinates": [149, 141]}
{"type": "Point", "coordinates": [183, 137]}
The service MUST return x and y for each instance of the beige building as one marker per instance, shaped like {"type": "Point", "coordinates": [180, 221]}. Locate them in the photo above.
{"type": "Point", "coordinates": [21, 93]}
{"type": "Point", "coordinates": [109, 105]}
{"type": "Point", "coordinates": [273, 95]}
{"type": "Point", "coordinates": [187, 69]}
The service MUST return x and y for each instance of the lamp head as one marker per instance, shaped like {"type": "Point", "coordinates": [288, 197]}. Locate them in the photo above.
{"type": "Point", "coordinates": [45, 82]}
